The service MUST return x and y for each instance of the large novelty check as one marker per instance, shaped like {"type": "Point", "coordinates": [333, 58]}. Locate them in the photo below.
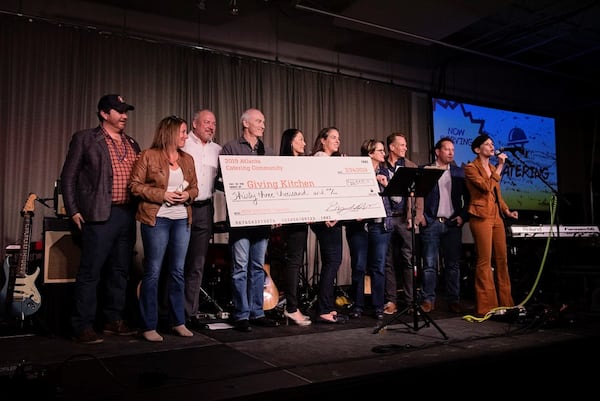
{"type": "Point", "coordinates": [262, 190]}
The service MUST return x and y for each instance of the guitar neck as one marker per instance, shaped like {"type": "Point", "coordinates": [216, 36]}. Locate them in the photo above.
{"type": "Point", "coordinates": [25, 245]}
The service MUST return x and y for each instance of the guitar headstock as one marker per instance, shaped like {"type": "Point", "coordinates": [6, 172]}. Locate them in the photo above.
{"type": "Point", "coordinates": [29, 204]}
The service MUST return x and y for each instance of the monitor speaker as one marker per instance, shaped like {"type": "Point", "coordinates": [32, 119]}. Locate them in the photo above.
{"type": "Point", "coordinates": [61, 257]}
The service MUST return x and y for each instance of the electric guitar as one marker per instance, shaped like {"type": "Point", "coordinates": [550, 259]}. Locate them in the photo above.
{"type": "Point", "coordinates": [270, 291]}
{"type": "Point", "coordinates": [25, 299]}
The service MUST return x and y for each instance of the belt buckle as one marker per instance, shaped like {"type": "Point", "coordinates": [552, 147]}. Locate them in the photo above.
{"type": "Point", "coordinates": [442, 220]}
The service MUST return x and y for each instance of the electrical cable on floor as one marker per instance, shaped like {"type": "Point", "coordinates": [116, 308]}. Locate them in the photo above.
{"type": "Point", "coordinates": [519, 309]}
{"type": "Point", "coordinates": [63, 364]}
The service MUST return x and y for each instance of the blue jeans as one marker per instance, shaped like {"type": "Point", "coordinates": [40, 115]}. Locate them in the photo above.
{"type": "Point", "coordinates": [248, 277]}
{"type": "Point", "coordinates": [107, 252]}
{"type": "Point", "coordinates": [168, 237]}
{"type": "Point", "coordinates": [436, 237]}
{"type": "Point", "coordinates": [368, 250]}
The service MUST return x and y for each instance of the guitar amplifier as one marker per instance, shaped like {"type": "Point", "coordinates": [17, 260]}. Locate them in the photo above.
{"type": "Point", "coordinates": [61, 253]}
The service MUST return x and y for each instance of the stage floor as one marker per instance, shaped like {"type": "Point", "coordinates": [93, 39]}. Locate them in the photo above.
{"type": "Point", "coordinates": [543, 349]}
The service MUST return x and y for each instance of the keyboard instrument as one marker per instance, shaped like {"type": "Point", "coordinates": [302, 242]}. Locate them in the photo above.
{"type": "Point", "coordinates": [545, 230]}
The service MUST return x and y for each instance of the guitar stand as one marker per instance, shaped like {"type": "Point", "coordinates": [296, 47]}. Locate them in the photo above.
{"type": "Point", "coordinates": [38, 325]}
{"type": "Point", "coordinates": [407, 181]}
{"type": "Point", "coordinates": [24, 326]}
{"type": "Point", "coordinates": [221, 314]}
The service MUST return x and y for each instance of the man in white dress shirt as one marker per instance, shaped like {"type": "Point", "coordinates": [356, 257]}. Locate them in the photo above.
{"type": "Point", "coordinates": [206, 158]}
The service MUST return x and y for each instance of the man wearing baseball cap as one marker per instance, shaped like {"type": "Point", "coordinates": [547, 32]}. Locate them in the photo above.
{"type": "Point", "coordinates": [95, 187]}
{"type": "Point", "coordinates": [115, 102]}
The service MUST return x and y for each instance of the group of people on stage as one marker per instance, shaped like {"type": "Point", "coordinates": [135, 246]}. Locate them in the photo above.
{"type": "Point", "coordinates": [109, 183]}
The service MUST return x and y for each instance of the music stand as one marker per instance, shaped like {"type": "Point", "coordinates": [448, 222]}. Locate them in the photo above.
{"type": "Point", "coordinates": [411, 182]}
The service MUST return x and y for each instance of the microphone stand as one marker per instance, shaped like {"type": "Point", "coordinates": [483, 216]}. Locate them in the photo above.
{"type": "Point", "coordinates": [43, 201]}
{"type": "Point", "coordinates": [554, 208]}
{"type": "Point", "coordinates": [408, 181]}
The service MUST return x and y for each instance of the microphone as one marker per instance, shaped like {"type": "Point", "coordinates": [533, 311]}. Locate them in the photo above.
{"type": "Point", "coordinates": [506, 161]}
{"type": "Point", "coordinates": [513, 149]}
{"type": "Point", "coordinates": [43, 202]}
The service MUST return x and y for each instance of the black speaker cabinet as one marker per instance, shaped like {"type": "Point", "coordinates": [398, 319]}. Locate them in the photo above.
{"type": "Point", "coordinates": [61, 253]}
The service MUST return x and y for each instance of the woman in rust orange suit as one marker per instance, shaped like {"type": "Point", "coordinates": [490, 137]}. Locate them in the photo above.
{"type": "Point", "coordinates": [487, 209]}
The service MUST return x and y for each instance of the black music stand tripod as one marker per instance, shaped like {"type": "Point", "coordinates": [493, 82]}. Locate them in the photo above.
{"type": "Point", "coordinates": [411, 182]}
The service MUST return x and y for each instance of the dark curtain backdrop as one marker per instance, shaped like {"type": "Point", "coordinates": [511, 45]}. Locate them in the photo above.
{"type": "Point", "coordinates": [52, 77]}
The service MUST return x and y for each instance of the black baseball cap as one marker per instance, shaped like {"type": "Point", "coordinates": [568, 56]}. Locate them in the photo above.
{"type": "Point", "coordinates": [116, 102]}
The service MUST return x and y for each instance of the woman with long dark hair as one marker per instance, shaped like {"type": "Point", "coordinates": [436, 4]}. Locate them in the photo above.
{"type": "Point", "coordinates": [329, 237]}
{"type": "Point", "coordinates": [293, 238]}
